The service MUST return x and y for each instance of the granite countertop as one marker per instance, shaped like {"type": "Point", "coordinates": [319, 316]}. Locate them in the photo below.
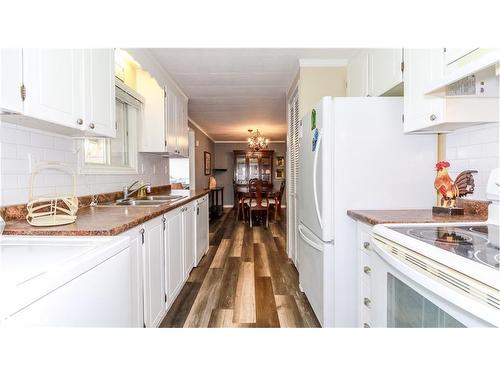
{"type": "Point", "coordinates": [374, 217]}
{"type": "Point", "coordinates": [103, 220]}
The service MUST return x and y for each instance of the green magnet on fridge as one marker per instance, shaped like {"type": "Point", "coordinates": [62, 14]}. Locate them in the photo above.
{"type": "Point", "coordinates": [313, 119]}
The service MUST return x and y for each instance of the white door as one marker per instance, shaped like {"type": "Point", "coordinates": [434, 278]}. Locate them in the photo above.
{"type": "Point", "coordinates": [11, 79]}
{"type": "Point", "coordinates": [170, 124]}
{"type": "Point", "coordinates": [152, 131]}
{"type": "Point", "coordinates": [189, 235]}
{"type": "Point", "coordinates": [154, 274]}
{"type": "Point", "coordinates": [385, 70]}
{"type": "Point", "coordinates": [292, 171]}
{"type": "Point", "coordinates": [357, 75]}
{"type": "Point", "coordinates": [315, 177]}
{"type": "Point", "coordinates": [201, 228]}
{"type": "Point", "coordinates": [174, 256]}
{"type": "Point", "coordinates": [53, 79]}
{"type": "Point", "coordinates": [422, 67]}
{"type": "Point", "coordinates": [99, 92]}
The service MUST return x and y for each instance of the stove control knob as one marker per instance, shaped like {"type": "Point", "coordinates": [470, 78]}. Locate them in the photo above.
{"type": "Point", "coordinates": [367, 302]}
{"type": "Point", "coordinates": [366, 325]}
{"type": "Point", "coordinates": [366, 245]}
{"type": "Point", "coordinates": [367, 270]}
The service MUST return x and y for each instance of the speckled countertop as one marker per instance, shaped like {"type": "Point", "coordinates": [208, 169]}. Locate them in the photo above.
{"type": "Point", "coordinates": [374, 217]}
{"type": "Point", "coordinates": [103, 220]}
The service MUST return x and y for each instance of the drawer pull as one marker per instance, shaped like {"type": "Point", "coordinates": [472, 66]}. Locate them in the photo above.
{"type": "Point", "coordinates": [366, 245]}
{"type": "Point", "coordinates": [367, 302]}
{"type": "Point", "coordinates": [367, 270]}
{"type": "Point", "coordinates": [366, 325]}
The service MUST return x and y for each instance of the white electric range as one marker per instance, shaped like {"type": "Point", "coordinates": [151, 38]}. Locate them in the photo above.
{"type": "Point", "coordinates": [439, 275]}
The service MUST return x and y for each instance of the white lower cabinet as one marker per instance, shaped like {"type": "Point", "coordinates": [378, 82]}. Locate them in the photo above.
{"type": "Point", "coordinates": [154, 272]}
{"type": "Point", "coordinates": [189, 237]}
{"type": "Point", "coordinates": [174, 264]}
{"type": "Point", "coordinates": [363, 251]}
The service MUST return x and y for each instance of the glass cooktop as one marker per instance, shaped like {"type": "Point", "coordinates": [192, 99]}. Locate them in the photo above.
{"type": "Point", "coordinates": [478, 243]}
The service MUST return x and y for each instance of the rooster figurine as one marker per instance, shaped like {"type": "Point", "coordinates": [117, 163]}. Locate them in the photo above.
{"type": "Point", "coordinates": [450, 190]}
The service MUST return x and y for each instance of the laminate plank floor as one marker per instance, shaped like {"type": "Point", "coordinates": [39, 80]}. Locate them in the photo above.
{"type": "Point", "coordinates": [245, 280]}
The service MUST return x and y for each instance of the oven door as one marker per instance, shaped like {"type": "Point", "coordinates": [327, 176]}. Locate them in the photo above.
{"type": "Point", "coordinates": [404, 296]}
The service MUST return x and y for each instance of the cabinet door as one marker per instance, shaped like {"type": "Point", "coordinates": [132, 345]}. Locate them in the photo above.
{"type": "Point", "coordinates": [54, 88]}
{"type": "Point", "coordinates": [422, 67]}
{"type": "Point", "coordinates": [171, 121]}
{"type": "Point", "coordinates": [11, 79]}
{"type": "Point", "coordinates": [385, 70]}
{"type": "Point", "coordinates": [453, 54]}
{"type": "Point", "coordinates": [99, 92]}
{"type": "Point", "coordinates": [174, 257]}
{"type": "Point", "coordinates": [154, 274]}
{"type": "Point", "coordinates": [152, 132]}
{"type": "Point", "coordinates": [357, 75]}
{"type": "Point", "coordinates": [189, 234]}
{"type": "Point", "coordinates": [201, 229]}
{"type": "Point", "coordinates": [183, 127]}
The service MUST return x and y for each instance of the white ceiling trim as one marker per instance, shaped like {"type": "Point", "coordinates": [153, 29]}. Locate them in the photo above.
{"type": "Point", "coordinates": [322, 62]}
{"type": "Point", "coordinates": [200, 129]}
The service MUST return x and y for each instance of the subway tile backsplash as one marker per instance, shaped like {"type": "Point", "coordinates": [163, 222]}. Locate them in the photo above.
{"type": "Point", "coordinates": [476, 147]}
{"type": "Point", "coordinates": [20, 148]}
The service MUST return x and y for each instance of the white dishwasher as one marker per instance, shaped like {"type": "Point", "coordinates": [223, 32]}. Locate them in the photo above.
{"type": "Point", "coordinates": [201, 228]}
{"type": "Point", "coordinates": [67, 281]}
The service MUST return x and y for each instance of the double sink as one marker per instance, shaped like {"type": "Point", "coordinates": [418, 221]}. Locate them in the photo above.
{"type": "Point", "coordinates": [149, 201]}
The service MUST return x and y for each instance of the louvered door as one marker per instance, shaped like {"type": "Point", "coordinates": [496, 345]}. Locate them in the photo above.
{"type": "Point", "coordinates": [293, 166]}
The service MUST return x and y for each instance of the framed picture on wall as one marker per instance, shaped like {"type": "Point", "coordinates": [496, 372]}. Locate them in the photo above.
{"type": "Point", "coordinates": [279, 174]}
{"type": "Point", "coordinates": [208, 163]}
{"type": "Point", "coordinates": [280, 161]}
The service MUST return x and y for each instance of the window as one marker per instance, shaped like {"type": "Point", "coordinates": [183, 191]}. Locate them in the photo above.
{"type": "Point", "coordinates": [117, 155]}
{"type": "Point", "coordinates": [179, 170]}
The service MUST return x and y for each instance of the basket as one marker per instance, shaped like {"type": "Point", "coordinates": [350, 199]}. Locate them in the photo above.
{"type": "Point", "coordinates": [51, 211]}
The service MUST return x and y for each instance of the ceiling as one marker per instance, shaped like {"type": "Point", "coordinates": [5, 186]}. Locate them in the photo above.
{"type": "Point", "coordinates": [233, 90]}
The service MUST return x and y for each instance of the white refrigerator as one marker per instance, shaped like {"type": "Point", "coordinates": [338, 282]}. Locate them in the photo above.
{"type": "Point", "coordinates": [352, 155]}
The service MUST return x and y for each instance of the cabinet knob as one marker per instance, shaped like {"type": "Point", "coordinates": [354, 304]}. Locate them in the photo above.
{"type": "Point", "coordinates": [433, 117]}
{"type": "Point", "coordinates": [366, 245]}
{"type": "Point", "coordinates": [367, 270]}
{"type": "Point", "coordinates": [79, 121]}
{"type": "Point", "coordinates": [91, 125]}
{"type": "Point", "coordinates": [367, 302]}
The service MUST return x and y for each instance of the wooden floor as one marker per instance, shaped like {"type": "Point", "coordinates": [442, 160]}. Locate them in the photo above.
{"type": "Point", "coordinates": [244, 280]}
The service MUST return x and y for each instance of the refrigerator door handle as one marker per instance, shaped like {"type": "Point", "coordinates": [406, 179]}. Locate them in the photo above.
{"type": "Point", "coordinates": [308, 241]}
{"type": "Point", "coordinates": [315, 191]}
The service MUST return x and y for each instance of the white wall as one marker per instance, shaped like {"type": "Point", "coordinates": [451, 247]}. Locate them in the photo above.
{"type": "Point", "coordinates": [474, 148]}
{"type": "Point", "coordinates": [17, 144]}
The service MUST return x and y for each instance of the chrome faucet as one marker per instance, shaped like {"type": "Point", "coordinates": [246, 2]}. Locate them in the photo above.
{"type": "Point", "coordinates": [127, 192]}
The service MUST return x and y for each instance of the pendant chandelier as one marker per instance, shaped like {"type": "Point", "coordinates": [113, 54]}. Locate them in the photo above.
{"type": "Point", "coordinates": [256, 141]}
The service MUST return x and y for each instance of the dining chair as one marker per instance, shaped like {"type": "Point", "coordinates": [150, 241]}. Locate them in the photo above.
{"type": "Point", "coordinates": [256, 202]}
{"type": "Point", "coordinates": [239, 200]}
{"type": "Point", "coordinates": [276, 199]}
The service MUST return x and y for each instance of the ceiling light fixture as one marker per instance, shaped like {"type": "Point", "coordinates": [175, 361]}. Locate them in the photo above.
{"type": "Point", "coordinates": [256, 141]}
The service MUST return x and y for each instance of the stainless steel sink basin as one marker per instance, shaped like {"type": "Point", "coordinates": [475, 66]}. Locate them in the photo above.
{"type": "Point", "coordinates": [149, 201]}
{"type": "Point", "coordinates": [162, 197]}
{"type": "Point", "coordinates": [139, 202]}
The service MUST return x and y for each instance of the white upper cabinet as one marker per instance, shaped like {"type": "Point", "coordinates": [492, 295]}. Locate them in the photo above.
{"type": "Point", "coordinates": [375, 72]}
{"type": "Point", "coordinates": [422, 66]}
{"type": "Point", "coordinates": [11, 79]}
{"type": "Point", "coordinates": [385, 70]}
{"type": "Point", "coordinates": [152, 133]}
{"type": "Point", "coordinates": [439, 112]}
{"type": "Point", "coordinates": [357, 75]}
{"type": "Point", "coordinates": [53, 79]}
{"type": "Point", "coordinates": [99, 95]}
{"type": "Point", "coordinates": [69, 91]}
{"type": "Point", "coordinates": [164, 128]}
